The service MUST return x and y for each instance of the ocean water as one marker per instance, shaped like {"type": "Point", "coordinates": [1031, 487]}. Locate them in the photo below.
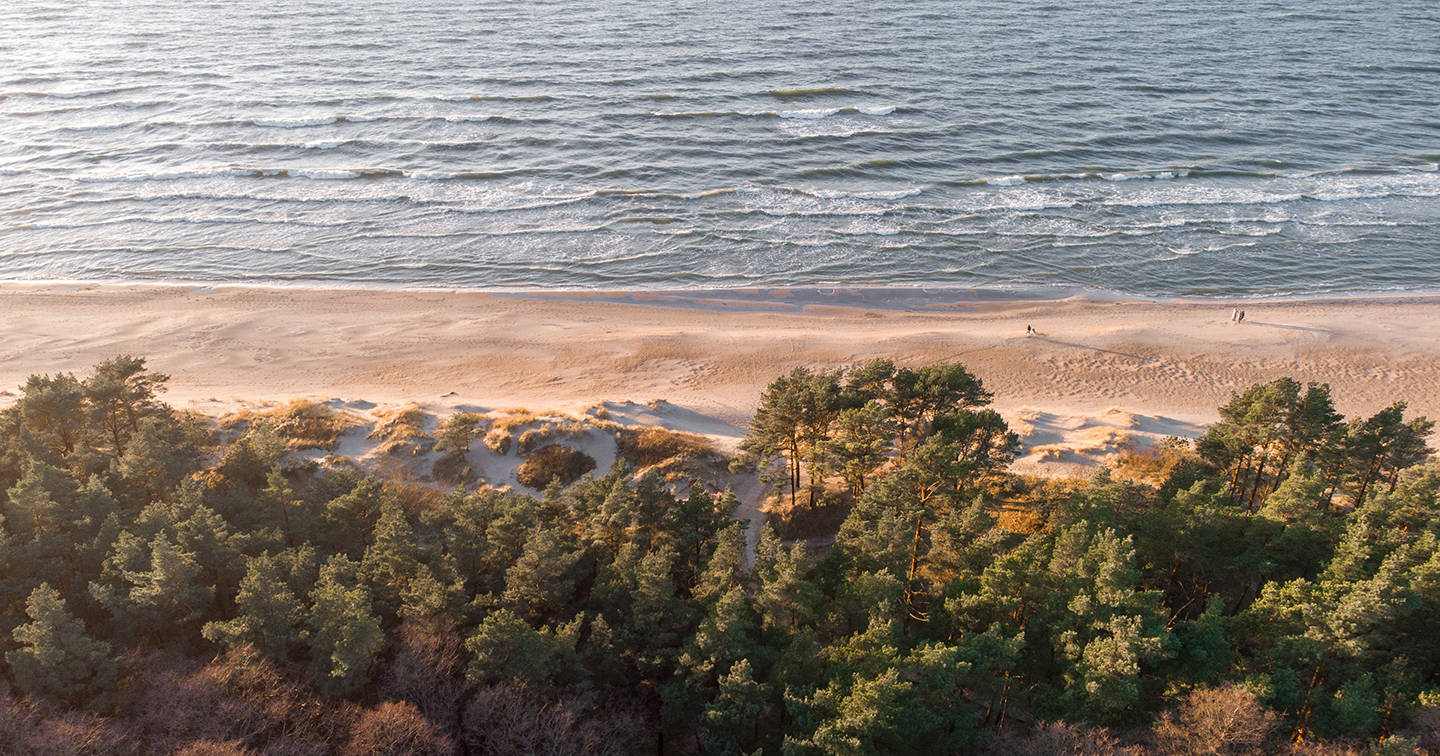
{"type": "Point", "coordinates": [1207, 147]}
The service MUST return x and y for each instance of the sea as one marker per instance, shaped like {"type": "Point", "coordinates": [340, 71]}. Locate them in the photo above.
{"type": "Point", "coordinates": [1155, 148]}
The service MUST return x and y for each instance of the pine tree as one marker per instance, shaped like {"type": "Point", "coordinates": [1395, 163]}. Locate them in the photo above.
{"type": "Point", "coordinates": [540, 583]}
{"type": "Point", "coordinates": [56, 658]}
{"type": "Point", "coordinates": [269, 615]}
{"type": "Point", "coordinates": [345, 633]}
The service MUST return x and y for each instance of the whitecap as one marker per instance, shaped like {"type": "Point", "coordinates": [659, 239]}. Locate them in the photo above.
{"type": "Point", "coordinates": [294, 123]}
{"type": "Point", "coordinates": [326, 175]}
{"type": "Point", "coordinates": [878, 111]}
{"type": "Point", "coordinates": [808, 114]}
{"type": "Point", "coordinates": [1006, 181]}
{"type": "Point", "coordinates": [839, 194]}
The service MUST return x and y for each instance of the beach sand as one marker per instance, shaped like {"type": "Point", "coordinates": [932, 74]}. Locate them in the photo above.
{"type": "Point", "coordinates": [1099, 374]}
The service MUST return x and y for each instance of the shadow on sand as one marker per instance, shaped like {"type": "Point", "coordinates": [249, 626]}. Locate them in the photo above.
{"type": "Point", "coordinates": [1095, 349]}
{"type": "Point", "coordinates": [1290, 327]}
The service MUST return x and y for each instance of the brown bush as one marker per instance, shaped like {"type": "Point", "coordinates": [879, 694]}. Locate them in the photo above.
{"type": "Point", "coordinates": [1225, 720]}
{"type": "Point", "coordinates": [28, 728]}
{"type": "Point", "coordinates": [415, 498]}
{"type": "Point", "coordinates": [1056, 739]}
{"type": "Point", "coordinates": [240, 697]}
{"type": "Point", "coordinates": [551, 462]}
{"type": "Point", "coordinates": [215, 748]}
{"type": "Point", "coordinates": [396, 729]}
{"type": "Point", "coordinates": [509, 720]}
{"type": "Point", "coordinates": [428, 670]}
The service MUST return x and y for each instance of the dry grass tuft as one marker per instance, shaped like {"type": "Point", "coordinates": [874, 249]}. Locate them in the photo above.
{"type": "Point", "coordinates": [654, 446]}
{"type": "Point", "coordinates": [1098, 440]}
{"type": "Point", "coordinates": [498, 441]}
{"type": "Point", "coordinates": [402, 432]}
{"type": "Point", "coordinates": [302, 423]}
{"type": "Point", "coordinates": [673, 455]}
{"type": "Point", "coordinates": [1019, 520]}
{"type": "Point", "coordinates": [511, 418]}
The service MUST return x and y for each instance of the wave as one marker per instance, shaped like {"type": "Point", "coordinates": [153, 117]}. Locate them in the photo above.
{"type": "Point", "coordinates": [296, 123]}
{"type": "Point", "coordinates": [77, 94]}
{"type": "Point", "coordinates": [499, 98]}
{"type": "Point", "coordinates": [786, 94]}
{"type": "Point", "coordinates": [807, 114]}
{"type": "Point", "coordinates": [259, 173]}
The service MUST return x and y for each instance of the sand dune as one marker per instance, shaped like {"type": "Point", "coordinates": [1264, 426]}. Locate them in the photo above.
{"type": "Point", "coordinates": [1099, 375]}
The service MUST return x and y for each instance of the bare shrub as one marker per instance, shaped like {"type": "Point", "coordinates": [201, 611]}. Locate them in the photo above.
{"type": "Point", "coordinates": [551, 462]}
{"type": "Point", "coordinates": [1427, 726]}
{"type": "Point", "coordinates": [415, 498]}
{"type": "Point", "coordinates": [30, 728]}
{"type": "Point", "coordinates": [427, 670]}
{"type": "Point", "coordinates": [240, 697]}
{"type": "Point", "coordinates": [395, 729]}
{"type": "Point", "coordinates": [510, 720]}
{"type": "Point", "coordinates": [402, 432]}
{"type": "Point", "coordinates": [1224, 720]}
{"type": "Point", "coordinates": [1056, 739]}
{"type": "Point", "coordinates": [215, 748]}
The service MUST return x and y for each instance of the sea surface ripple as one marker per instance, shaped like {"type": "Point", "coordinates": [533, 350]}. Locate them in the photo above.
{"type": "Point", "coordinates": [1217, 147]}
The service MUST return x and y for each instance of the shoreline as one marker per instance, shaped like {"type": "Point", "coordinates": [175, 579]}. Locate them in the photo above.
{"type": "Point", "coordinates": [896, 298]}
{"type": "Point", "coordinates": [1098, 371]}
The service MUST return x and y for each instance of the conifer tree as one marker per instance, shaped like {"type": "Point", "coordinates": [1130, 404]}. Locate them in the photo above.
{"type": "Point", "coordinates": [345, 634]}
{"type": "Point", "coordinates": [56, 659]}
{"type": "Point", "coordinates": [269, 615]}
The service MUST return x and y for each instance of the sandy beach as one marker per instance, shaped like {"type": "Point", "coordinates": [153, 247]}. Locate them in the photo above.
{"type": "Point", "coordinates": [1098, 373]}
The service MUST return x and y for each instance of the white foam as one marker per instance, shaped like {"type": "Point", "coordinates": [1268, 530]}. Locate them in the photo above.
{"type": "Point", "coordinates": [808, 114]}
{"type": "Point", "coordinates": [1006, 181]}
{"type": "Point", "coordinates": [294, 123]}
{"type": "Point", "coordinates": [838, 194]}
{"type": "Point", "coordinates": [326, 175]}
{"type": "Point", "coordinates": [878, 111]}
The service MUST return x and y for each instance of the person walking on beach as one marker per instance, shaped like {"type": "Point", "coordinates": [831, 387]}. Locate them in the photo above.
{"type": "Point", "coordinates": [1235, 315]}
{"type": "Point", "coordinates": [1029, 331]}
{"type": "Point", "coordinates": [1241, 319]}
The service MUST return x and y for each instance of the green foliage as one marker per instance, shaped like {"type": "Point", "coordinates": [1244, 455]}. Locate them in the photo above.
{"type": "Point", "coordinates": [56, 659]}
{"type": "Point", "coordinates": [1282, 581]}
{"type": "Point", "coordinates": [345, 634]}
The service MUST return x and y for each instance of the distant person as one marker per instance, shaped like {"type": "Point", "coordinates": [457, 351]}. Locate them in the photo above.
{"type": "Point", "coordinates": [1235, 314]}
{"type": "Point", "coordinates": [1241, 319]}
